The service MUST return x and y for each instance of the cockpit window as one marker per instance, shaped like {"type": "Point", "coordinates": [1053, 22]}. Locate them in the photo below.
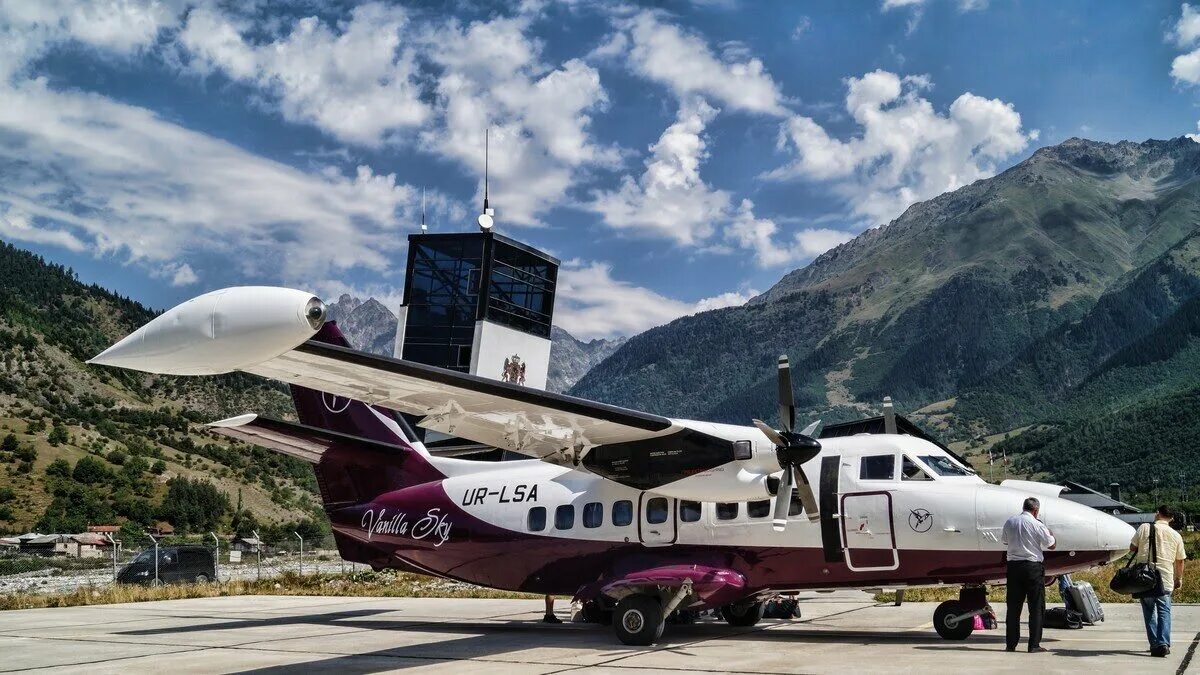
{"type": "Point", "coordinates": [910, 470]}
{"type": "Point", "coordinates": [878, 467]}
{"type": "Point", "coordinates": [944, 466]}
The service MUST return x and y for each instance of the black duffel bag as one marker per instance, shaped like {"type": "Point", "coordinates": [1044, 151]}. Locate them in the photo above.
{"type": "Point", "coordinates": [1142, 579]}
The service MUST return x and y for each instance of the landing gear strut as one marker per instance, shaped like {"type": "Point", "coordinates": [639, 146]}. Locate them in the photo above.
{"type": "Point", "coordinates": [639, 618]}
{"type": "Point", "coordinates": [955, 619]}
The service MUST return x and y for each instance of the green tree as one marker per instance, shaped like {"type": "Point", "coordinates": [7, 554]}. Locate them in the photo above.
{"type": "Point", "coordinates": [9, 444]}
{"type": "Point", "coordinates": [7, 495]}
{"type": "Point", "coordinates": [194, 505]}
{"type": "Point", "coordinates": [90, 471]}
{"type": "Point", "coordinates": [117, 457]}
{"type": "Point", "coordinates": [158, 468]}
{"type": "Point", "coordinates": [36, 426]}
{"type": "Point", "coordinates": [26, 453]}
{"type": "Point", "coordinates": [59, 468]}
{"type": "Point", "coordinates": [58, 435]}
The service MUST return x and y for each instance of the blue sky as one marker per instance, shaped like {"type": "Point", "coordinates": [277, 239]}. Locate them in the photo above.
{"type": "Point", "coordinates": [677, 156]}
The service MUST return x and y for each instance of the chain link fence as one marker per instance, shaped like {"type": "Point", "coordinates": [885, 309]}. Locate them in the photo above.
{"type": "Point", "coordinates": [59, 572]}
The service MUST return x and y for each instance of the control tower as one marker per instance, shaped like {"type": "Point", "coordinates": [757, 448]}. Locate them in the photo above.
{"type": "Point", "coordinates": [478, 303]}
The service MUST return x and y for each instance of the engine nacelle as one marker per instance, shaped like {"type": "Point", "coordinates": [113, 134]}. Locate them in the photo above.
{"type": "Point", "coordinates": [220, 332]}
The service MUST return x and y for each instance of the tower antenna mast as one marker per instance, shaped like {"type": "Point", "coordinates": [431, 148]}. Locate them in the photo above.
{"type": "Point", "coordinates": [485, 219]}
{"type": "Point", "coordinates": [423, 227]}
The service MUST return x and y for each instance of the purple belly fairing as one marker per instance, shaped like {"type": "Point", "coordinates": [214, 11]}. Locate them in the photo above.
{"type": "Point", "coordinates": [419, 528]}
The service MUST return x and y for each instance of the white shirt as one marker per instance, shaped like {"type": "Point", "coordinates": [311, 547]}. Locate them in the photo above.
{"type": "Point", "coordinates": [1026, 536]}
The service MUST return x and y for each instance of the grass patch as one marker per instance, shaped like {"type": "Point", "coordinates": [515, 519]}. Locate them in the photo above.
{"type": "Point", "coordinates": [384, 584]}
{"type": "Point", "coordinates": [1098, 578]}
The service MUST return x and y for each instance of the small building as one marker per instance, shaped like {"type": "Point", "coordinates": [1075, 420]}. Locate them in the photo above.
{"type": "Point", "coordinates": [161, 530]}
{"type": "Point", "coordinates": [104, 529]}
{"type": "Point", "coordinates": [246, 544]}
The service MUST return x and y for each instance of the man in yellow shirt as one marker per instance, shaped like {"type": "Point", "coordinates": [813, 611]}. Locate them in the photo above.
{"type": "Point", "coordinates": [1169, 557]}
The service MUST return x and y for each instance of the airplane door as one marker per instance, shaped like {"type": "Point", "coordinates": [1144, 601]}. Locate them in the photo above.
{"type": "Point", "coordinates": [656, 520]}
{"type": "Point", "coordinates": [867, 532]}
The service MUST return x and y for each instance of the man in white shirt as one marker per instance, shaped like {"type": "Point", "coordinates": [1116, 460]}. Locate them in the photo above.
{"type": "Point", "coordinates": [1026, 537]}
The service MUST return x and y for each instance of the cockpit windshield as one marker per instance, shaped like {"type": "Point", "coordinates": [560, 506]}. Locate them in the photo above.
{"type": "Point", "coordinates": [944, 466]}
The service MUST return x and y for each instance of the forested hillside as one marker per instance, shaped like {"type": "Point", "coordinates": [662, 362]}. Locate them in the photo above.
{"type": "Point", "coordinates": [82, 444]}
{"type": "Point", "coordinates": [1054, 294]}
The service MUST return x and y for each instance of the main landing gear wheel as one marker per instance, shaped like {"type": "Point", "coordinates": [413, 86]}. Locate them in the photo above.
{"type": "Point", "coordinates": [638, 620]}
{"type": "Point", "coordinates": [946, 623]}
{"type": "Point", "coordinates": [743, 614]}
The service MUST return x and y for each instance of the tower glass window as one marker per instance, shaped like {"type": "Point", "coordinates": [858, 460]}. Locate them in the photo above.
{"type": "Point", "coordinates": [455, 280]}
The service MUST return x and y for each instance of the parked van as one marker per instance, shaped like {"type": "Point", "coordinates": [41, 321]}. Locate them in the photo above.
{"type": "Point", "coordinates": [176, 565]}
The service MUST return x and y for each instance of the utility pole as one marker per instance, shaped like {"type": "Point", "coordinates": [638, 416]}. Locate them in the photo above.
{"type": "Point", "coordinates": [301, 552]}
{"type": "Point", "coordinates": [156, 581]}
{"type": "Point", "coordinates": [258, 550]}
{"type": "Point", "coordinates": [216, 557]}
{"type": "Point", "coordinates": [113, 542]}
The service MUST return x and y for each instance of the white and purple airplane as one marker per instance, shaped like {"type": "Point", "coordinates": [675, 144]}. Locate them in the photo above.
{"type": "Point", "coordinates": [636, 516]}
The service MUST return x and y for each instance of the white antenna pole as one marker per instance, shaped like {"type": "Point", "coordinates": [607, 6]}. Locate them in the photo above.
{"type": "Point", "coordinates": [423, 227]}
{"type": "Point", "coordinates": [486, 139]}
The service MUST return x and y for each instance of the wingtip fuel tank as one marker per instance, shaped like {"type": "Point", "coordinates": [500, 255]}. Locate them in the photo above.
{"type": "Point", "coordinates": [220, 332]}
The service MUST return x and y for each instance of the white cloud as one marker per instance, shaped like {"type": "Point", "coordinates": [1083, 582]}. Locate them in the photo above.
{"type": "Point", "coordinates": [893, 4]}
{"type": "Point", "coordinates": [539, 116]}
{"type": "Point", "coordinates": [126, 183]}
{"type": "Point", "coordinates": [665, 53]}
{"type": "Point", "coordinates": [670, 200]}
{"type": "Point", "coordinates": [16, 225]}
{"type": "Point", "coordinates": [760, 236]}
{"type": "Point", "coordinates": [354, 80]}
{"type": "Point", "coordinates": [121, 27]}
{"type": "Point", "coordinates": [1186, 31]}
{"type": "Point", "coordinates": [906, 151]}
{"type": "Point", "coordinates": [592, 304]}
{"type": "Point", "coordinates": [803, 25]}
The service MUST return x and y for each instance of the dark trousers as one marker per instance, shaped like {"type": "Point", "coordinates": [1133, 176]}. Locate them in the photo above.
{"type": "Point", "coordinates": [1026, 583]}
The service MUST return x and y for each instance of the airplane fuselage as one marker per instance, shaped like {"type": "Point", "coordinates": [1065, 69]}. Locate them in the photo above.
{"type": "Point", "coordinates": [532, 526]}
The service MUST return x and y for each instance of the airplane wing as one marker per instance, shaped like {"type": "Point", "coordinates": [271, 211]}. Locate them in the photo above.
{"type": "Point", "coordinates": [530, 421]}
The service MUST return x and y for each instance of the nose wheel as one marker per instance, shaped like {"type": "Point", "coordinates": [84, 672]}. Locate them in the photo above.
{"type": "Point", "coordinates": [953, 621]}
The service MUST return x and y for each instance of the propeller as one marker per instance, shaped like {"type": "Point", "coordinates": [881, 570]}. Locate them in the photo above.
{"type": "Point", "coordinates": [793, 450]}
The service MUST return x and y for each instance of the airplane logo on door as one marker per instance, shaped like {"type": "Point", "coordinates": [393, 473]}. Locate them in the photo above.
{"type": "Point", "coordinates": [920, 520]}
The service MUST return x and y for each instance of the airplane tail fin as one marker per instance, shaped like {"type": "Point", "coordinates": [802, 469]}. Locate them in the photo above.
{"type": "Point", "coordinates": [350, 473]}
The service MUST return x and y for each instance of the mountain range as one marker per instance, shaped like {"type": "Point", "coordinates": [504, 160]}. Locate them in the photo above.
{"type": "Point", "coordinates": [1055, 298]}
{"type": "Point", "coordinates": [371, 327]}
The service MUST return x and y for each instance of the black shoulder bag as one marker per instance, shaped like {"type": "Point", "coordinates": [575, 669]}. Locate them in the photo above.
{"type": "Point", "coordinates": [1143, 580]}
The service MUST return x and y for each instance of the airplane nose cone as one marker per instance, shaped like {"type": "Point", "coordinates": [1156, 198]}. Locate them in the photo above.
{"type": "Point", "coordinates": [1114, 534]}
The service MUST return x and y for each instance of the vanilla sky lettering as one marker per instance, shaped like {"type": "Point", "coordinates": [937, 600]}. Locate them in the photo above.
{"type": "Point", "coordinates": [434, 525]}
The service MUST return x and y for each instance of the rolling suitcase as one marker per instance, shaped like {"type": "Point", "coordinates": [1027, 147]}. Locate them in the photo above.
{"type": "Point", "coordinates": [1084, 601]}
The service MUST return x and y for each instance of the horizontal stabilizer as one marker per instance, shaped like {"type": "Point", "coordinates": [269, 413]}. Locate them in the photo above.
{"type": "Point", "coordinates": [303, 442]}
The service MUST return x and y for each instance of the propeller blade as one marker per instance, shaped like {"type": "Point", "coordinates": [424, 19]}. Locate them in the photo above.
{"type": "Point", "coordinates": [783, 499]}
{"type": "Point", "coordinates": [771, 434]}
{"type": "Point", "coordinates": [814, 430]}
{"type": "Point", "coordinates": [787, 405]}
{"type": "Point", "coordinates": [807, 498]}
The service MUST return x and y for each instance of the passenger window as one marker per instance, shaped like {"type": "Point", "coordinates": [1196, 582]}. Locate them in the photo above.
{"type": "Point", "coordinates": [593, 514]}
{"type": "Point", "coordinates": [564, 517]}
{"type": "Point", "coordinates": [760, 509]}
{"type": "Point", "coordinates": [537, 519]}
{"type": "Point", "coordinates": [910, 471]}
{"type": "Point", "coordinates": [656, 510]}
{"type": "Point", "coordinates": [689, 512]}
{"type": "Point", "coordinates": [622, 513]}
{"type": "Point", "coordinates": [795, 506]}
{"type": "Point", "coordinates": [878, 467]}
{"type": "Point", "coordinates": [727, 511]}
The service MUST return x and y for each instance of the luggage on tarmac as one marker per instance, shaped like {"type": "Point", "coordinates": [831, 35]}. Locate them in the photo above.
{"type": "Point", "coordinates": [1084, 601]}
{"type": "Point", "coordinates": [1061, 617]}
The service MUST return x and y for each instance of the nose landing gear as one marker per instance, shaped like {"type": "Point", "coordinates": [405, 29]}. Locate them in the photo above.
{"type": "Point", "coordinates": [955, 619]}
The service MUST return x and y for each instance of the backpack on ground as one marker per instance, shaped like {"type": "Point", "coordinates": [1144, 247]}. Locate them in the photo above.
{"type": "Point", "coordinates": [1061, 617]}
{"type": "Point", "coordinates": [1085, 601]}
